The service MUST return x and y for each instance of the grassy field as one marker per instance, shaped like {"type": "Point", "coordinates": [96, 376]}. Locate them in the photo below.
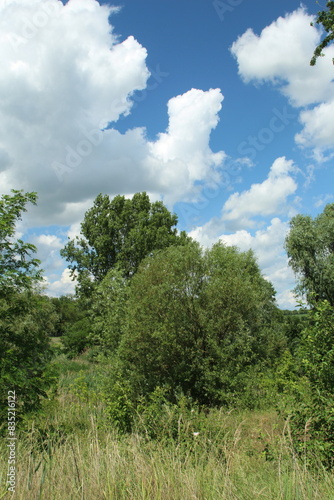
{"type": "Point", "coordinates": [70, 451]}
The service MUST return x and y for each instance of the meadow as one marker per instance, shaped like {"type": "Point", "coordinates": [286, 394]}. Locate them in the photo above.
{"type": "Point", "coordinates": [71, 450]}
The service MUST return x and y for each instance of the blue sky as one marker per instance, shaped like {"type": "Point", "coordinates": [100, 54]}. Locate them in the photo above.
{"type": "Point", "coordinates": [210, 106]}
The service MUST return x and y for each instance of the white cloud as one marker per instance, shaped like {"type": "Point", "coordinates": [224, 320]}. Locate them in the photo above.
{"type": "Point", "coordinates": [182, 155]}
{"type": "Point", "coordinates": [264, 199]}
{"type": "Point", "coordinates": [318, 123]}
{"type": "Point", "coordinates": [268, 246]}
{"type": "Point", "coordinates": [64, 76]}
{"type": "Point", "coordinates": [281, 55]}
{"type": "Point", "coordinates": [250, 209]}
{"type": "Point", "coordinates": [74, 230]}
{"type": "Point", "coordinates": [261, 200]}
{"type": "Point", "coordinates": [60, 285]}
{"type": "Point", "coordinates": [48, 247]}
{"type": "Point", "coordinates": [286, 299]}
{"type": "Point", "coordinates": [323, 199]}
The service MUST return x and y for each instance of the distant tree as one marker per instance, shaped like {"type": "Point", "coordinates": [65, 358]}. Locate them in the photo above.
{"type": "Point", "coordinates": [294, 322]}
{"type": "Point", "coordinates": [77, 336]}
{"type": "Point", "coordinates": [326, 18]}
{"type": "Point", "coordinates": [68, 312]}
{"type": "Point", "coordinates": [119, 233]}
{"type": "Point", "coordinates": [25, 316]}
{"type": "Point", "coordinates": [310, 248]}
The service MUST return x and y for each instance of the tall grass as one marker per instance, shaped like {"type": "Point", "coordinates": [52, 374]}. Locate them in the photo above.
{"type": "Point", "coordinates": [71, 452]}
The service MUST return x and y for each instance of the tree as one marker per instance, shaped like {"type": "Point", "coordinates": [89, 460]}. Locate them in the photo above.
{"type": "Point", "coordinates": [68, 312]}
{"type": "Point", "coordinates": [108, 313]}
{"type": "Point", "coordinates": [314, 412]}
{"type": "Point", "coordinates": [18, 270]}
{"type": "Point", "coordinates": [119, 233]}
{"type": "Point", "coordinates": [326, 18]}
{"type": "Point", "coordinates": [196, 323]}
{"type": "Point", "coordinates": [310, 248]}
{"type": "Point", "coordinates": [24, 314]}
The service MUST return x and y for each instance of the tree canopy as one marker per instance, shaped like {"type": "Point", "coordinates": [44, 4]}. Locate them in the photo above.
{"type": "Point", "coordinates": [119, 233]}
{"type": "Point", "coordinates": [197, 322]}
{"type": "Point", "coordinates": [326, 19]}
{"type": "Point", "coordinates": [310, 248]}
{"type": "Point", "coordinates": [18, 270]}
{"type": "Point", "coordinates": [26, 318]}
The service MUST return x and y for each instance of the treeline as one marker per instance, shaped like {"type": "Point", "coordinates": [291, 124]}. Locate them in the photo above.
{"type": "Point", "coordinates": [178, 325]}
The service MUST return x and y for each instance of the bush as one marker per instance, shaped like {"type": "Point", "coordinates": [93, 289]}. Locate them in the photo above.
{"type": "Point", "coordinates": [76, 339]}
{"type": "Point", "coordinates": [198, 323]}
{"type": "Point", "coordinates": [312, 420]}
{"type": "Point", "coordinates": [25, 351]}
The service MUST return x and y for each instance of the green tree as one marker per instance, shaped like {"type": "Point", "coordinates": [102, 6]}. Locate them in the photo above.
{"type": "Point", "coordinates": [68, 312]}
{"type": "Point", "coordinates": [310, 248]}
{"type": "Point", "coordinates": [18, 270]}
{"type": "Point", "coordinates": [326, 19]}
{"type": "Point", "coordinates": [313, 415]}
{"type": "Point", "coordinates": [119, 233]}
{"type": "Point", "coordinates": [24, 315]}
{"type": "Point", "coordinates": [108, 313]}
{"type": "Point", "coordinates": [197, 322]}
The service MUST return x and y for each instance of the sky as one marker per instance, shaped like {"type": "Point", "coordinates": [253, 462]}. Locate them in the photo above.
{"type": "Point", "coordinates": [208, 105]}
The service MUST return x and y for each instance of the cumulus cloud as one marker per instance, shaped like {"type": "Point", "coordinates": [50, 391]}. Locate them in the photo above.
{"type": "Point", "coordinates": [281, 55]}
{"type": "Point", "coordinates": [261, 200]}
{"type": "Point", "coordinates": [181, 156]}
{"type": "Point", "coordinates": [66, 78]}
{"type": "Point", "coordinates": [318, 127]}
{"type": "Point", "coordinates": [268, 246]}
{"type": "Point", "coordinates": [250, 209]}
{"type": "Point", "coordinates": [265, 199]}
{"type": "Point", "coordinates": [60, 285]}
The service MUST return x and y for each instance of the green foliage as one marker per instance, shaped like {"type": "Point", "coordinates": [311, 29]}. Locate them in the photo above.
{"type": "Point", "coordinates": [326, 19]}
{"type": "Point", "coordinates": [73, 324]}
{"type": "Point", "coordinates": [120, 403]}
{"type": "Point", "coordinates": [18, 270]}
{"type": "Point", "coordinates": [317, 347]}
{"type": "Point", "coordinates": [294, 322]}
{"type": "Point", "coordinates": [25, 351]}
{"type": "Point", "coordinates": [180, 422]}
{"type": "Point", "coordinates": [197, 323]}
{"type": "Point", "coordinates": [310, 248]}
{"type": "Point", "coordinates": [68, 312]}
{"type": "Point", "coordinates": [313, 417]}
{"type": "Point", "coordinates": [48, 314]}
{"type": "Point", "coordinates": [77, 337]}
{"type": "Point", "coordinates": [108, 311]}
{"type": "Point", "coordinates": [119, 233]}
{"type": "Point", "coordinates": [26, 318]}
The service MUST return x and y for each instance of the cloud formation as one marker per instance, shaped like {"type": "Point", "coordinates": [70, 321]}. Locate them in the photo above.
{"type": "Point", "coordinates": [66, 79]}
{"type": "Point", "coordinates": [281, 55]}
{"type": "Point", "coordinates": [266, 198]}
{"type": "Point", "coordinates": [249, 210]}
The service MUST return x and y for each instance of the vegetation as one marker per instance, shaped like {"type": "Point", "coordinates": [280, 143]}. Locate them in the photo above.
{"type": "Point", "coordinates": [310, 248]}
{"type": "Point", "coordinates": [198, 323]}
{"type": "Point", "coordinates": [175, 377]}
{"type": "Point", "coordinates": [71, 451]}
{"type": "Point", "coordinates": [326, 19]}
{"type": "Point", "coordinates": [25, 317]}
{"type": "Point", "coordinates": [119, 233]}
